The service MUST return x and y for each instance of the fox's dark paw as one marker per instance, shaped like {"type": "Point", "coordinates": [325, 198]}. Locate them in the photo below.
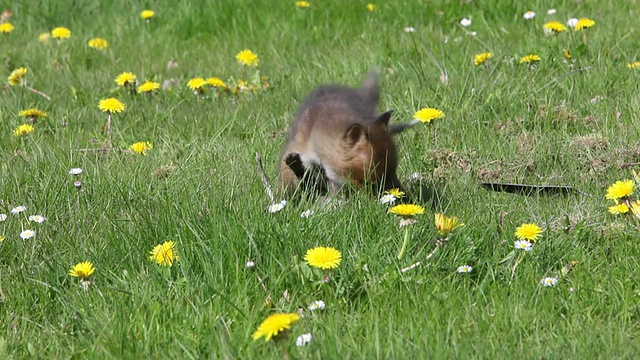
{"type": "Point", "coordinates": [294, 163]}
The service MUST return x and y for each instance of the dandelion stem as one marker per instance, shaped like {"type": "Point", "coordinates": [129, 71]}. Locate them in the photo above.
{"type": "Point", "coordinates": [109, 129]}
{"type": "Point", "coordinates": [403, 249]}
{"type": "Point", "coordinates": [263, 177]}
{"type": "Point", "coordinates": [415, 265]}
{"type": "Point", "coordinates": [38, 92]}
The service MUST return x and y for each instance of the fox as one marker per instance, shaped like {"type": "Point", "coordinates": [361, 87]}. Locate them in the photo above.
{"type": "Point", "coordinates": [338, 137]}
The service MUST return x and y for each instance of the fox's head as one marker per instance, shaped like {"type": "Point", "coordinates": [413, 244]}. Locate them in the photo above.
{"type": "Point", "coordinates": [370, 154]}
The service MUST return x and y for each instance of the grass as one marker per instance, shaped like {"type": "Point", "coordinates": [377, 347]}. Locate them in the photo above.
{"type": "Point", "coordinates": [555, 124]}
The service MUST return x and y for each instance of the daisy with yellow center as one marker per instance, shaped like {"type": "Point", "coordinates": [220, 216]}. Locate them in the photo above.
{"type": "Point", "coordinates": [529, 59]}
{"type": "Point", "coordinates": [584, 23]}
{"type": "Point", "coordinates": [148, 87]}
{"type": "Point", "coordinates": [6, 28]}
{"type": "Point", "coordinates": [44, 37]}
{"type": "Point", "coordinates": [61, 33]}
{"type": "Point", "coordinates": [427, 114]}
{"type": "Point", "coordinates": [23, 130]}
{"type": "Point", "coordinates": [620, 190]}
{"type": "Point", "coordinates": [371, 7]}
{"type": "Point", "coordinates": [33, 114]}
{"type": "Point", "coordinates": [323, 257]}
{"type": "Point", "coordinates": [98, 43]}
{"type": "Point", "coordinates": [217, 83]}
{"type": "Point", "coordinates": [621, 208]}
{"type": "Point", "coordinates": [141, 147]}
{"type": "Point", "coordinates": [147, 14]}
{"type": "Point", "coordinates": [445, 225]}
{"type": "Point", "coordinates": [554, 27]}
{"type": "Point", "coordinates": [164, 254]}
{"type": "Point", "coordinates": [16, 76]}
{"type": "Point", "coordinates": [274, 325]}
{"type": "Point", "coordinates": [482, 58]}
{"type": "Point", "coordinates": [247, 58]}
{"type": "Point", "coordinates": [82, 270]}
{"type": "Point", "coordinates": [634, 65]}
{"type": "Point", "coordinates": [302, 4]}
{"type": "Point", "coordinates": [395, 192]}
{"type": "Point", "coordinates": [528, 232]}
{"type": "Point", "coordinates": [126, 78]}
{"type": "Point", "coordinates": [196, 84]}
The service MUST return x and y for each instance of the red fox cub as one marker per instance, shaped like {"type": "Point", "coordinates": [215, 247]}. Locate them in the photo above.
{"type": "Point", "coordinates": [338, 137]}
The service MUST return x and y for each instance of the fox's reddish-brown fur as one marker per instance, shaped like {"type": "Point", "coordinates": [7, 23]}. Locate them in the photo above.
{"type": "Point", "coordinates": [338, 135]}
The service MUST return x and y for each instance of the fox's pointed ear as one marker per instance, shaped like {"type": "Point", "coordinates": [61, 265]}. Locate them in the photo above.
{"type": "Point", "coordinates": [383, 119]}
{"type": "Point", "coordinates": [355, 134]}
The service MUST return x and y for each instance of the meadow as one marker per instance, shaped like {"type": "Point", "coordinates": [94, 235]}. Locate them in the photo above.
{"type": "Point", "coordinates": [177, 169]}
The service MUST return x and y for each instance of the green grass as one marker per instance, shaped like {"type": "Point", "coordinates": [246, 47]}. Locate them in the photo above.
{"type": "Point", "coordinates": [504, 122]}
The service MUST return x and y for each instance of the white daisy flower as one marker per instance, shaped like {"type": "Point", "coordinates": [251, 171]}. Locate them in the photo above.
{"type": "Point", "coordinates": [388, 199]}
{"type": "Point", "coordinates": [464, 269]}
{"type": "Point", "coordinates": [551, 12]}
{"type": "Point", "coordinates": [465, 22]}
{"type": "Point", "coordinates": [250, 264]}
{"type": "Point", "coordinates": [303, 339]}
{"type": "Point", "coordinates": [523, 245]}
{"type": "Point", "coordinates": [549, 281]}
{"type": "Point", "coordinates": [529, 15]}
{"type": "Point", "coordinates": [307, 213]}
{"type": "Point", "coordinates": [75, 171]}
{"type": "Point", "coordinates": [409, 29]}
{"type": "Point", "coordinates": [3, 217]}
{"type": "Point", "coordinates": [37, 218]}
{"type": "Point", "coordinates": [316, 305]}
{"type": "Point", "coordinates": [572, 22]}
{"type": "Point", "coordinates": [274, 208]}
{"type": "Point", "coordinates": [18, 209]}
{"type": "Point", "coordinates": [27, 234]}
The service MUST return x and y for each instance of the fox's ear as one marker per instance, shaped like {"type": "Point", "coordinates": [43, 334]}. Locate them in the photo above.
{"type": "Point", "coordinates": [355, 134]}
{"type": "Point", "coordinates": [383, 119]}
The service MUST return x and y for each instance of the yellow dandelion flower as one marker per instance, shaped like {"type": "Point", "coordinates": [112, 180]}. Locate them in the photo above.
{"type": "Point", "coordinates": [567, 54]}
{"type": "Point", "coordinates": [217, 82]}
{"type": "Point", "coordinates": [481, 58]}
{"type": "Point", "coordinates": [584, 23]}
{"type": "Point", "coordinates": [621, 208]}
{"type": "Point", "coordinates": [620, 189]}
{"type": "Point", "coordinates": [98, 43]}
{"type": "Point", "coordinates": [141, 147]}
{"type": "Point", "coordinates": [445, 225]}
{"type": "Point", "coordinates": [407, 210]}
{"type": "Point", "coordinates": [634, 65]}
{"type": "Point", "coordinates": [61, 33]}
{"type": "Point", "coordinates": [427, 114]}
{"type": "Point", "coordinates": [196, 83]}
{"type": "Point", "coordinates": [528, 232]}
{"type": "Point", "coordinates": [33, 113]}
{"type": "Point", "coordinates": [274, 325]}
{"type": "Point", "coordinates": [147, 14]}
{"type": "Point", "coordinates": [395, 192]}
{"type": "Point", "coordinates": [23, 130]}
{"type": "Point", "coordinates": [6, 28]}
{"type": "Point", "coordinates": [247, 58]}
{"type": "Point", "coordinates": [529, 59]}
{"type": "Point", "coordinates": [1, 238]}
{"type": "Point", "coordinates": [164, 254]}
{"type": "Point", "coordinates": [554, 27]}
{"type": "Point", "coordinates": [323, 257]}
{"type": "Point", "coordinates": [111, 105]}
{"type": "Point", "coordinates": [126, 78]}
{"type": "Point", "coordinates": [44, 37]}
{"type": "Point", "coordinates": [371, 7]}
{"type": "Point", "coordinates": [302, 4]}
{"type": "Point", "coordinates": [17, 75]}
{"type": "Point", "coordinates": [148, 87]}
{"type": "Point", "coordinates": [82, 270]}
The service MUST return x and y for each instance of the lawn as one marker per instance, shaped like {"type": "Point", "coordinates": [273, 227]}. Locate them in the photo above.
{"type": "Point", "coordinates": [176, 167]}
